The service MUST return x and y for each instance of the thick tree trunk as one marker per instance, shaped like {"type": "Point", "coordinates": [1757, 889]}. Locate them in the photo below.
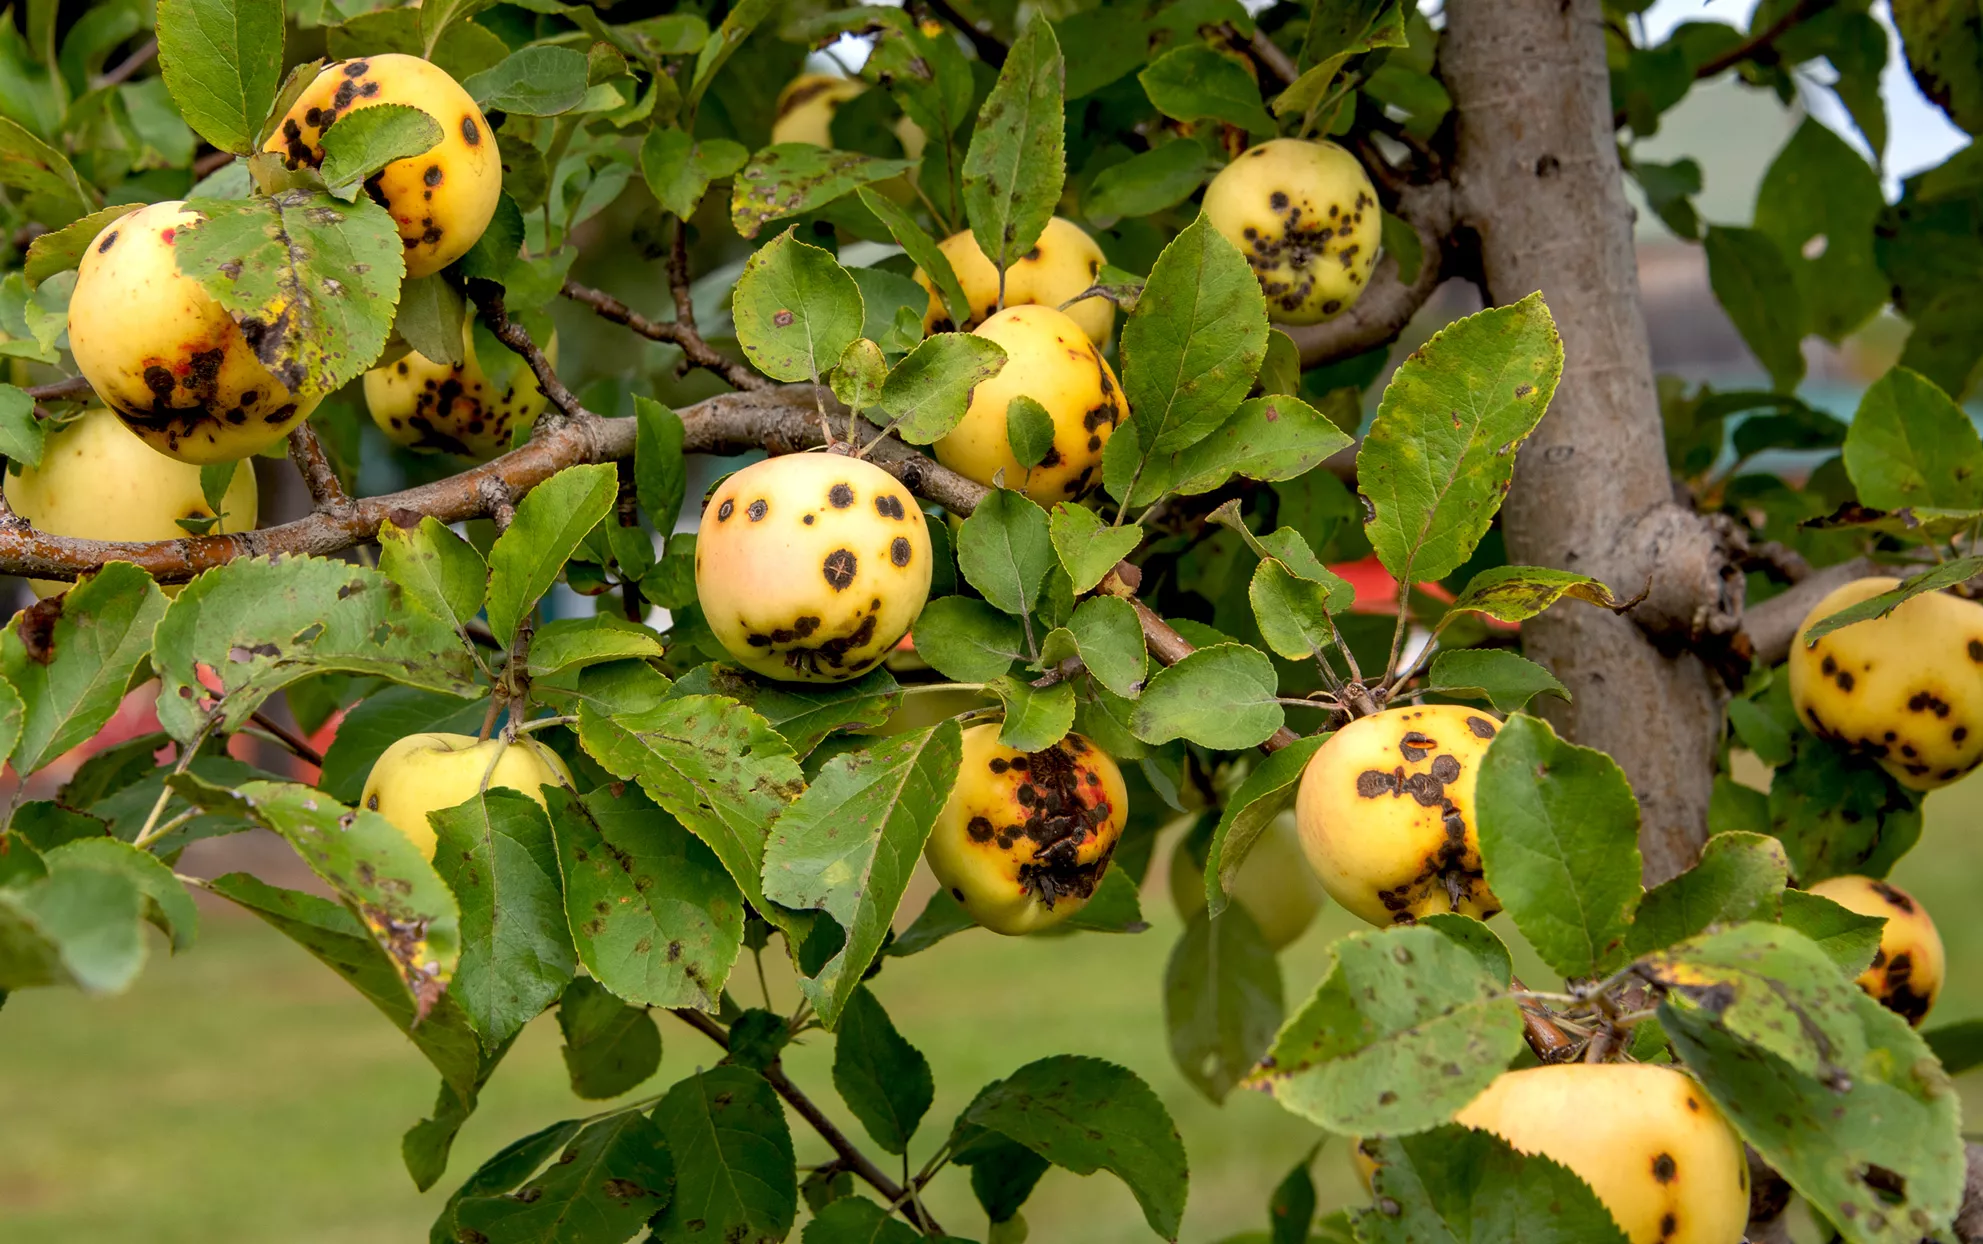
{"type": "Point", "coordinates": [1539, 182]}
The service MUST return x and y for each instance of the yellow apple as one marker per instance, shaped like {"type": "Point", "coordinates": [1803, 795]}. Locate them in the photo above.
{"type": "Point", "coordinates": [1275, 885]}
{"type": "Point", "coordinates": [1907, 971]}
{"type": "Point", "coordinates": [425, 773]}
{"type": "Point", "coordinates": [1306, 217]}
{"type": "Point", "coordinates": [1064, 262]}
{"type": "Point", "coordinates": [434, 407]}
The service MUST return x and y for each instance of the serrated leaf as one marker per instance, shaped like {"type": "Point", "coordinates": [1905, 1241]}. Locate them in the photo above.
{"type": "Point", "coordinates": [848, 845]}
{"type": "Point", "coordinates": [75, 926]}
{"type": "Point", "coordinates": [1442, 450]}
{"type": "Point", "coordinates": [1559, 838]}
{"type": "Point", "coordinates": [1269, 790]}
{"type": "Point", "coordinates": [1848, 939]}
{"type": "Point", "coordinates": [1029, 431]}
{"type": "Point", "coordinates": [221, 60]}
{"type": "Point", "coordinates": [1222, 1000]}
{"type": "Point", "coordinates": [539, 81]}
{"type": "Point", "coordinates": [804, 714]}
{"type": "Point", "coordinates": [371, 138]}
{"type": "Point", "coordinates": [734, 1177]}
{"type": "Point", "coordinates": [60, 250]}
{"type": "Point", "coordinates": [609, 1047]}
{"type": "Point", "coordinates": [1269, 438]}
{"type": "Point", "coordinates": [1006, 549]}
{"type": "Point", "coordinates": [797, 310]}
{"type": "Point", "coordinates": [438, 569]}
{"type": "Point", "coordinates": [1739, 877]}
{"type": "Point", "coordinates": [927, 393]}
{"type": "Point", "coordinates": [1110, 639]}
{"type": "Point", "coordinates": [922, 251]}
{"type": "Point", "coordinates": [652, 914]}
{"type": "Point", "coordinates": [1454, 1183]}
{"type": "Point", "coordinates": [790, 179]}
{"type": "Point", "coordinates": [1224, 697]}
{"type": "Point", "coordinates": [1518, 593]}
{"type": "Point", "coordinates": [23, 436]}
{"type": "Point", "coordinates": [1149, 181]}
{"type": "Point", "coordinates": [1505, 679]}
{"type": "Point", "coordinates": [260, 624]}
{"type": "Point", "coordinates": [614, 1175]}
{"type": "Point", "coordinates": [1088, 550]}
{"type": "Point", "coordinates": [1194, 82]}
{"type": "Point", "coordinates": [166, 902]}
{"type": "Point", "coordinates": [576, 643]}
{"type": "Point", "coordinates": [1035, 717]}
{"type": "Point", "coordinates": [1016, 164]}
{"type": "Point", "coordinates": [1910, 445]}
{"type": "Point", "coordinates": [1397, 1002]}
{"type": "Point", "coordinates": [967, 640]}
{"type": "Point", "coordinates": [858, 376]}
{"type": "Point", "coordinates": [1947, 574]}
{"type": "Point", "coordinates": [883, 1079]}
{"type": "Point", "coordinates": [550, 521]}
{"type": "Point", "coordinates": [678, 169]}
{"type": "Point", "coordinates": [511, 1165]}
{"type": "Point", "coordinates": [71, 658]}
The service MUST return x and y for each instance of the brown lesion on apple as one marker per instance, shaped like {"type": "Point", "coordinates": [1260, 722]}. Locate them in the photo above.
{"type": "Point", "coordinates": [1063, 813]}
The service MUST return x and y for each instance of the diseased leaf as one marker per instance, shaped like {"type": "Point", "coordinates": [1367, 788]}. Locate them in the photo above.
{"type": "Point", "coordinates": [927, 393]}
{"type": "Point", "coordinates": [612, 1177]}
{"type": "Point", "coordinates": [71, 658]}
{"type": "Point", "coordinates": [1518, 593]}
{"type": "Point", "coordinates": [438, 569]}
{"type": "Point", "coordinates": [1739, 877]}
{"type": "Point", "coordinates": [804, 714]}
{"type": "Point", "coordinates": [734, 1177]}
{"type": "Point", "coordinates": [1088, 550]}
{"type": "Point", "coordinates": [1016, 163]}
{"type": "Point", "coordinates": [550, 521]}
{"type": "Point", "coordinates": [792, 178]}
{"type": "Point", "coordinates": [678, 169]}
{"type": "Point", "coordinates": [797, 310]}
{"type": "Point", "coordinates": [1454, 1183]}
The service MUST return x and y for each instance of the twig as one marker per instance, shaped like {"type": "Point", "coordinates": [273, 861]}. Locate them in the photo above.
{"type": "Point", "coordinates": [123, 70]}
{"type": "Point", "coordinates": [298, 746]}
{"type": "Point", "coordinates": [679, 332]}
{"type": "Point", "coordinates": [987, 46]}
{"type": "Point", "coordinates": [1271, 57]}
{"type": "Point", "coordinates": [488, 299]}
{"type": "Point", "coordinates": [678, 276]}
{"type": "Point", "coordinates": [307, 452]}
{"type": "Point", "coordinates": [1760, 46]}
{"type": "Point", "coordinates": [212, 162]}
{"type": "Point", "coordinates": [850, 1156]}
{"type": "Point", "coordinates": [1771, 625]}
{"type": "Point", "coordinates": [73, 387]}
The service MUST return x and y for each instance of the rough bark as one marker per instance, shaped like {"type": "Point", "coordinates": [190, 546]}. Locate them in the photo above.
{"type": "Point", "coordinates": [1539, 184]}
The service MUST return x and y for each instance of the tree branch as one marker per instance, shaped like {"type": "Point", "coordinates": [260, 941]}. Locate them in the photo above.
{"type": "Point", "coordinates": [123, 70]}
{"type": "Point", "coordinates": [60, 390]}
{"type": "Point", "coordinates": [488, 299]}
{"type": "Point", "coordinates": [1272, 58]}
{"type": "Point", "coordinates": [1388, 302]}
{"type": "Point", "coordinates": [987, 45]}
{"type": "Point", "coordinates": [1771, 625]}
{"type": "Point", "coordinates": [849, 1154]}
{"type": "Point", "coordinates": [678, 332]}
{"type": "Point", "coordinates": [307, 452]}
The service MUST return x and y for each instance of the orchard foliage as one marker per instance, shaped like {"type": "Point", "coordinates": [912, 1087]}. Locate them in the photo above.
{"type": "Point", "coordinates": [1176, 604]}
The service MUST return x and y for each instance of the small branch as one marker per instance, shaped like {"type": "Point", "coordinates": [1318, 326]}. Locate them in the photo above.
{"type": "Point", "coordinates": [1771, 625]}
{"type": "Point", "coordinates": [678, 277]}
{"type": "Point", "coordinates": [1760, 46]}
{"type": "Point", "coordinates": [60, 390]}
{"type": "Point", "coordinates": [212, 162]}
{"type": "Point", "coordinates": [680, 332]}
{"type": "Point", "coordinates": [1272, 58]}
{"type": "Point", "coordinates": [307, 452]}
{"type": "Point", "coordinates": [987, 46]}
{"type": "Point", "coordinates": [298, 746]}
{"type": "Point", "coordinates": [1388, 302]}
{"type": "Point", "coordinates": [130, 65]}
{"type": "Point", "coordinates": [850, 1156]}
{"type": "Point", "coordinates": [488, 299]}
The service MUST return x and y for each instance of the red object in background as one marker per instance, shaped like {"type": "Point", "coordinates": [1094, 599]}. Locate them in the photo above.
{"type": "Point", "coordinates": [1376, 590]}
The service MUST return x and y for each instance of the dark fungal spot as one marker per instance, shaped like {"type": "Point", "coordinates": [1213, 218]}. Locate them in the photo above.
{"type": "Point", "coordinates": [756, 510]}
{"type": "Point", "coordinates": [372, 802]}
{"type": "Point", "coordinates": [1278, 201]}
{"type": "Point", "coordinates": [1446, 768]}
{"type": "Point", "coordinates": [888, 505]}
{"type": "Point", "coordinates": [356, 68]}
{"type": "Point", "coordinates": [997, 764]}
{"type": "Point", "coordinates": [1844, 680]}
{"type": "Point", "coordinates": [898, 551]}
{"type": "Point", "coordinates": [839, 569]}
{"type": "Point", "coordinates": [1693, 1105]}
{"type": "Point", "coordinates": [1828, 666]}
{"type": "Point", "coordinates": [1976, 649]}
{"type": "Point", "coordinates": [840, 496]}
{"type": "Point", "coordinates": [807, 520]}
{"type": "Point", "coordinates": [1372, 783]}
{"type": "Point", "coordinates": [783, 318]}
{"type": "Point", "coordinates": [432, 176]}
{"type": "Point", "coordinates": [1927, 702]}
{"type": "Point", "coordinates": [470, 132]}
{"type": "Point", "coordinates": [1668, 1224]}
{"type": "Point", "coordinates": [957, 894]}
{"type": "Point", "coordinates": [1414, 747]}
{"type": "Point", "coordinates": [979, 828]}
{"type": "Point", "coordinates": [724, 511]}
{"type": "Point", "coordinates": [110, 239]}
{"type": "Point", "coordinates": [1482, 728]}
{"type": "Point", "coordinates": [1893, 896]}
{"type": "Point", "coordinates": [1663, 1168]}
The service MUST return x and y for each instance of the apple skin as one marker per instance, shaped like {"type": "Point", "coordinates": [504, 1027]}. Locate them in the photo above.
{"type": "Point", "coordinates": [809, 567]}
{"type": "Point", "coordinates": [424, 773]}
{"type": "Point", "coordinates": [1064, 262]}
{"type": "Point", "coordinates": [1051, 360]}
{"type": "Point", "coordinates": [1024, 839]}
{"type": "Point", "coordinates": [1906, 689]}
{"type": "Point", "coordinates": [1647, 1140]}
{"type": "Point", "coordinates": [431, 407]}
{"type": "Point", "coordinates": [1275, 885]}
{"type": "Point", "coordinates": [1907, 972]}
{"type": "Point", "coordinates": [163, 354]}
{"type": "Point", "coordinates": [1305, 216]}
{"type": "Point", "coordinates": [442, 199]}
{"type": "Point", "coordinates": [1386, 813]}
{"type": "Point", "coordinates": [99, 481]}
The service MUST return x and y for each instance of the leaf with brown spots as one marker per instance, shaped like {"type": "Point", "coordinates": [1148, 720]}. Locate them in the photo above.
{"type": "Point", "coordinates": [1454, 1183]}
{"type": "Point", "coordinates": [1740, 877]}
{"type": "Point", "coordinates": [615, 1175]}
{"type": "Point", "coordinates": [790, 179]}
{"type": "Point", "coordinates": [1517, 593]}
{"type": "Point", "coordinates": [1947, 574]}
{"type": "Point", "coordinates": [735, 1179]}
{"type": "Point", "coordinates": [796, 309]}
{"type": "Point", "coordinates": [1016, 164]}
{"type": "Point", "coordinates": [72, 657]}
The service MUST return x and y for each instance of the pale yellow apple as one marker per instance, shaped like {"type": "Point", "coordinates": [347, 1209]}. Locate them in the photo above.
{"type": "Point", "coordinates": [1907, 971]}
{"type": "Point", "coordinates": [425, 773]}
{"type": "Point", "coordinates": [1063, 263]}
{"type": "Point", "coordinates": [1306, 217]}
{"type": "Point", "coordinates": [448, 408]}
{"type": "Point", "coordinates": [1275, 885]}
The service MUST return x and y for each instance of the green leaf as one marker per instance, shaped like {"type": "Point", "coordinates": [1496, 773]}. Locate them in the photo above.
{"type": "Point", "coordinates": [60, 250]}
{"type": "Point", "coordinates": [742, 18]}
{"type": "Point", "coordinates": [1150, 181]}
{"type": "Point", "coordinates": [1518, 593]}
{"type": "Point", "coordinates": [166, 902]}
{"type": "Point", "coordinates": [532, 82]}
{"type": "Point", "coordinates": [1819, 192]}
{"type": "Point", "coordinates": [437, 17]}
{"type": "Point", "coordinates": [433, 318]}
{"type": "Point", "coordinates": [1959, 1046]}
{"type": "Point", "coordinates": [1035, 717]}
{"type": "Point", "coordinates": [1838, 814]}
{"type": "Point", "coordinates": [717, 767]}
{"type": "Point", "coordinates": [610, 1048]}
{"type": "Point", "coordinates": [1753, 282]}
{"type": "Point", "coordinates": [923, 251]}
{"type": "Point", "coordinates": [1849, 939]}
{"type": "Point", "coordinates": [1739, 877]}
{"type": "Point", "coordinates": [804, 714]}
{"type": "Point", "coordinates": [550, 521]}
{"type": "Point", "coordinates": [1397, 1002]}
{"type": "Point", "coordinates": [1224, 697]}
{"type": "Point", "coordinates": [797, 310]}
{"type": "Point", "coordinates": [857, 1220]}
{"type": "Point", "coordinates": [1476, 939]}
{"type": "Point", "coordinates": [373, 137]}
{"type": "Point", "coordinates": [892, 307]}
{"type": "Point", "coordinates": [1441, 453]}
{"type": "Point", "coordinates": [1016, 164]}
{"type": "Point", "coordinates": [1267, 438]}
{"type": "Point", "coordinates": [1189, 350]}
{"type": "Point", "coordinates": [791, 179]}
{"type": "Point", "coordinates": [438, 569]}
{"type": "Point", "coordinates": [734, 1177]}
{"type": "Point", "coordinates": [576, 643]}
{"type": "Point", "coordinates": [1943, 51]}
{"type": "Point", "coordinates": [512, 1164]}
{"type": "Point", "coordinates": [858, 376]}
{"type": "Point", "coordinates": [1292, 611]}
{"type": "Point", "coordinates": [1947, 574]}
{"type": "Point", "coordinates": [1291, 1209]}
{"type": "Point", "coordinates": [1504, 679]}
{"type": "Point", "coordinates": [1222, 1000]}
{"type": "Point", "coordinates": [928, 392]}
{"type": "Point", "coordinates": [653, 915]}
{"type": "Point", "coordinates": [660, 478]}
{"type": "Point", "coordinates": [1559, 837]}
{"type": "Point", "coordinates": [1088, 549]}
{"type": "Point", "coordinates": [1111, 642]}
{"type": "Point", "coordinates": [260, 624]}
{"type": "Point", "coordinates": [1006, 549]}
{"type": "Point", "coordinates": [1086, 1115]}
{"type": "Point", "coordinates": [30, 165]}
{"type": "Point", "coordinates": [1868, 1131]}
{"type": "Point", "coordinates": [678, 169]}
{"type": "Point", "coordinates": [941, 917]}
{"type": "Point", "coordinates": [612, 1177]}
{"type": "Point", "coordinates": [495, 852]}
{"type": "Point", "coordinates": [967, 640]}
{"type": "Point", "coordinates": [23, 437]}
{"type": "Point", "coordinates": [221, 60]}
{"type": "Point", "coordinates": [72, 657]}
{"type": "Point", "coordinates": [1269, 790]}
{"type": "Point", "coordinates": [321, 274]}
{"type": "Point", "coordinates": [1454, 1183]}
{"type": "Point", "coordinates": [368, 864]}
{"type": "Point", "coordinates": [76, 926]}
{"type": "Point", "coordinates": [1194, 82]}
{"type": "Point", "coordinates": [1911, 446]}
{"type": "Point", "coordinates": [1029, 430]}
{"type": "Point", "coordinates": [883, 1079]}
{"type": "Point", "coordinates": [849, 844]}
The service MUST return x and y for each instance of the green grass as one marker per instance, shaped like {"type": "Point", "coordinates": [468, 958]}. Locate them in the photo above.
{"type": "Point", "coordinates": [242, 1093]}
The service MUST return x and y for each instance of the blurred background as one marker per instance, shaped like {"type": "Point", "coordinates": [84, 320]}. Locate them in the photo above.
{"type": "Point", "coordinates": [244, 1093]}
